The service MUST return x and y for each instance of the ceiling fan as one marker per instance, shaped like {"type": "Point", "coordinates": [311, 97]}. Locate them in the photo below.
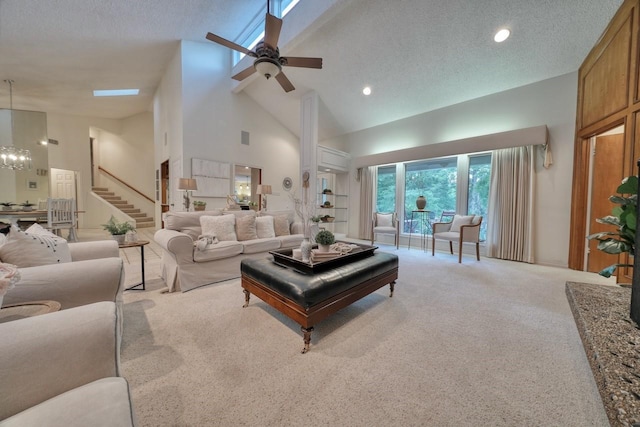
{"type": "Point", "coordinates": [268, 61]}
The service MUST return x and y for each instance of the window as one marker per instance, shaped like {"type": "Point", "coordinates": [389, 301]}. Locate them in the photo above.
{"type": "Point", "coordinates": [478, 194]}
{"type": "Point", "coordinates": [434, 179]}
{"type": "Point", "coordinates": [254, 32]}
{"type": "Point", "coordinates": [458, 183]}
{"type": "Point", "coordinates": [386, 196]}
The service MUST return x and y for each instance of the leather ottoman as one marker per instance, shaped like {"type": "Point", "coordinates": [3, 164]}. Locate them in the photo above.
{"type": "Point", "coordinates": [310, 298]}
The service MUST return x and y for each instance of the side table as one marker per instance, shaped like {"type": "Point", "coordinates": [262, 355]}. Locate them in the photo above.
{"type": "Point", "coordinates": [423, 218]}
{"type": "Point", "coordinates": [27, 309]}
{"type": "Point", "coordinates": [137, 244]}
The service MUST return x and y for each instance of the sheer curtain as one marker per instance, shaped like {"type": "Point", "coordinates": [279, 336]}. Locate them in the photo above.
{"type": "Point", "coordinates": [510, 215]}
{"type": "Point", "coordinates": [367, 188]}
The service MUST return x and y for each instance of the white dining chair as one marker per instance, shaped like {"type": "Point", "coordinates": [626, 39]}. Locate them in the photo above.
{"type": "Point", "coordinates": [61, 214]}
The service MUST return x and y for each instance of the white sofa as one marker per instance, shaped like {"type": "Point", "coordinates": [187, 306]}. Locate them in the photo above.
{"type": "Point", "coordinates": [186, 266]}
{"type": "Point", "coordinates": [63, 369]}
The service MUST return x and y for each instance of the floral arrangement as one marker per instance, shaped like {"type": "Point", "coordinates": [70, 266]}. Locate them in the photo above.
{"type": "Point", "coordinates": [9, 276]}
{"type": "Point", "coordinates": [27, 204]}
{"type": "Point", "coordinates": [7, 204]}
{"type": "Point", "coordinates": [199, 203]}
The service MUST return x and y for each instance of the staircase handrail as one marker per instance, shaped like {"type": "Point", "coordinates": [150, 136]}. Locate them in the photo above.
{"type": "Point", "coordinates": [101, 169]}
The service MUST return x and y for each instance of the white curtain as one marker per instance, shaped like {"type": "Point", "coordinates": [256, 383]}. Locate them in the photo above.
{"type": "Point", "coordinates": [367, 186]}
{"type": "Point", "coordinates": [510, 215]}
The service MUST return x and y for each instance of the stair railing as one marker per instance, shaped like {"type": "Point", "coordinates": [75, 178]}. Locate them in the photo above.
{"type": "Point", "coordinates": [101, 169]}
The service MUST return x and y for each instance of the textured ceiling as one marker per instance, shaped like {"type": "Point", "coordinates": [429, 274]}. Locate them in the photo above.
{"type": "Point", "coordinates": [417, 55]}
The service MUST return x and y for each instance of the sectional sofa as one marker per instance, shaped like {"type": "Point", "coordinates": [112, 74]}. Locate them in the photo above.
{"type": "Point", "coordinates": [200, 248]}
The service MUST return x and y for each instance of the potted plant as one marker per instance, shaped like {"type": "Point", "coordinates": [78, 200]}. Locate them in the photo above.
{"type": "Point", "coordinates": [118, 230]}
{"type": "Point", "coordinates": [623, 217]}
{"type": "Point", "coordinates": [199, 205]}
{"type": "Point", "coordinates": [325, 239]}
{"type": "Point", "coordinates": [26, 206]}
{"type": "Point", "coordinates": [7, 206]}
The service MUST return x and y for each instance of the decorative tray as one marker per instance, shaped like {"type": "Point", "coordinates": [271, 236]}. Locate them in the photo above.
{"type": "Point", "coordinates": [284, 257]}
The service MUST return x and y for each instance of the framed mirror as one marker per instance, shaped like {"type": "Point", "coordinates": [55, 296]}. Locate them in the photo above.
{"type": "Point", "coordinates": [25, 130]}
{"type": "Point", "coordinates": [245, 183]}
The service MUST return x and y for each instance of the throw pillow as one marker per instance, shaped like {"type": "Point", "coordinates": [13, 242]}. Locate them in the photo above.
{"type": "Point", "coordinates": [246, 227]}
{"type": "Point", "coordinates": [40, 230]}
{"type": "Point", "coordinates": [26, 249]}
{"type": "Point", "coordinates": [222, 226]}
{"type": "Point", "coordinates": [460, 220]}
{"type": "Point", "coordinates": [264, 227]}
{"type": "Point", "coordinates": [281, 225]}
{"type": "Point", "coordinates": [384, 220]}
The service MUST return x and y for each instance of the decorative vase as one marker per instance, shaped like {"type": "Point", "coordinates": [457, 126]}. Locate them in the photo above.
{"type": "Point", "coordinates": [27, 208]}
{"type": "Point", "coordinates": [421, 202]}
{"type": "Point", "coordinates": [199, 207]}
{"type": "Point", "coordinates": [305, 249]}
{"type": "Point", "coordinates": [7, 208]}
{"type": "Point", "coordinates": [119, 238]}
{"type": "Point", "coordinates": [324, 248]}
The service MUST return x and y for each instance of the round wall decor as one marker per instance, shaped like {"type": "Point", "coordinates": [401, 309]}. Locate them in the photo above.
{"type": "Point", "coordinates": [287, 183]}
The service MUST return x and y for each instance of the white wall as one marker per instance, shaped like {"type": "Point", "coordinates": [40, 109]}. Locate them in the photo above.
{"type": "Point", "coordinates": [551, 102]}
{"type": "Point", "coordinates": [212, 120]}
{"type": "Point", "coordinates": [72, 152]}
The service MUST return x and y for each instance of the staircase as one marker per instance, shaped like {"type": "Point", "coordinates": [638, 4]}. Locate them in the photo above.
{"type": "Point", "coordinates": [142, 220]}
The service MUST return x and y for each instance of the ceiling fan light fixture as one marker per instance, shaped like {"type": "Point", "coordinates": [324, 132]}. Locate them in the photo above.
{"type": "Point", "coordinates": [502, 35]}
{"type": "Point", "coordinates": [267, 67]}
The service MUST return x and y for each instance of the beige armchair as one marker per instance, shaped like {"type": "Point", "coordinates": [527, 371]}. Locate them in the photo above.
{"type": "Point", "coordinates": [463, 228]}
{"type": "Point", "coordinates": [63, 369]}
{"type": "Point", "coordinates": [385, 223]}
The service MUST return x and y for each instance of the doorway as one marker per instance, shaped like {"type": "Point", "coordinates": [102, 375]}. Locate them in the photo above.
{"type": "Point", "coordinates": [607, 149]}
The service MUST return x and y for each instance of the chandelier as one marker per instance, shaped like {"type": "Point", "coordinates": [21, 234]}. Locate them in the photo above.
{"type": "Point", "coordinates": [12, 157]}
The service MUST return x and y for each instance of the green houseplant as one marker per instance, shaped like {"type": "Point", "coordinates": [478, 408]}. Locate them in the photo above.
{"type": "Point", "coordinates": [325, 239]}
{"type": "Point", "coordinates": [117, 229]}
{"type": "Point", "coordinates": [623, 240]}
{"type": "Point", "coordinates": [623, 217]}
{"type": "Point", "coordinates": [6, 206]}
{"type": "Point", "coordinates": [27, 206]}
{"type": "Point", "coordinates": [199, 205]}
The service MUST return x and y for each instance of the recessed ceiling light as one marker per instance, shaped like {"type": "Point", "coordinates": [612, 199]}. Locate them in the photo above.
{"type": "Point", "coordinates": [366, 90]}
{"type": "Point", "coordinates": [502, 35]}
{"type": "Point", "coordinates": [116, 92]}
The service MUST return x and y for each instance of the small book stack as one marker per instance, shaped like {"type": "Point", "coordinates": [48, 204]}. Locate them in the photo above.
{"type": "Point", "coordinates": [317, 256]}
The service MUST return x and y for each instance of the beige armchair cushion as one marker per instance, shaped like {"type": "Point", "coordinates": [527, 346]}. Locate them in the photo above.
{"type": "Point", "coordinates": [384, 220]}
{"type": "Point", "coordinates": [460, 220]}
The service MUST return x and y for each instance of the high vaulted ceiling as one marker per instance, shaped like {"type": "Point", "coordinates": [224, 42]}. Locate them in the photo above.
{"type": "Point", "coordinates": [417, 55]}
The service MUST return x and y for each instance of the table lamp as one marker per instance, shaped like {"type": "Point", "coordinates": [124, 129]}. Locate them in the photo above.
{"type": "Point", "coordinates": [263, 190]}
{"type": "Point", "coordinates": [187, 184]}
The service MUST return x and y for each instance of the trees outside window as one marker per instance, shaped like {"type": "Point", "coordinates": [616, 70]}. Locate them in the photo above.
{"type": "Point", "coordinates": [478, 194]}
{"type": "Point", "coordinates": [386, 197]}
{"type": "Point", "coordinates": [437, 180]}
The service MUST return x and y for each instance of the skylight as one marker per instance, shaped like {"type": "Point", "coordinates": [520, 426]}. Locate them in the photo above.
{"type": "Point", "coordinates": [116, 92]}
{"type": "Point", "coordinates": [254, 32]}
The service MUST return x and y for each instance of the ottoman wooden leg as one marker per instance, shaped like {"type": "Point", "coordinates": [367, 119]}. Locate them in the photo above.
{"type": "Point", "coordinates": [247, 295]}
{"type": "Point", "coordinates": [392, 286]}
{"type": "Point", "coordinates": [307, 338]}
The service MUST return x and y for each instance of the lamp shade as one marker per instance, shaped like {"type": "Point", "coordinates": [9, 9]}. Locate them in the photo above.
{"type": "Point", "coordinates": [187, 184]}
{"type": "Point", "coordinates": [263, 189]}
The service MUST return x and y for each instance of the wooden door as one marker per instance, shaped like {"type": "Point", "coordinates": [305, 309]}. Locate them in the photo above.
{"type": "Point", "coordinates": [607, 175]}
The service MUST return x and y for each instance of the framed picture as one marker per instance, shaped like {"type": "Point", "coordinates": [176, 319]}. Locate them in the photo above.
{"type": "Point", "coordinates": [32, 184]}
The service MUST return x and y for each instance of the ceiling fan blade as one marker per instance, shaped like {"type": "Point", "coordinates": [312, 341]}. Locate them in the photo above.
{"type": "Point", "coordinates": [244, 73]}
{"type": "Point", "coordinates": [284, 82]}
{"type": "Point", "coordinates": [272, 30]}
{"type": "Point", "coordinates": [293, 61]}
{"type": "Point", "coordinates": [230, 44]}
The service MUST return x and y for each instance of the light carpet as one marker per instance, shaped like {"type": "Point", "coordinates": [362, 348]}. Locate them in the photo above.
{"type": "Point", "coordinates": [489, 343]}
